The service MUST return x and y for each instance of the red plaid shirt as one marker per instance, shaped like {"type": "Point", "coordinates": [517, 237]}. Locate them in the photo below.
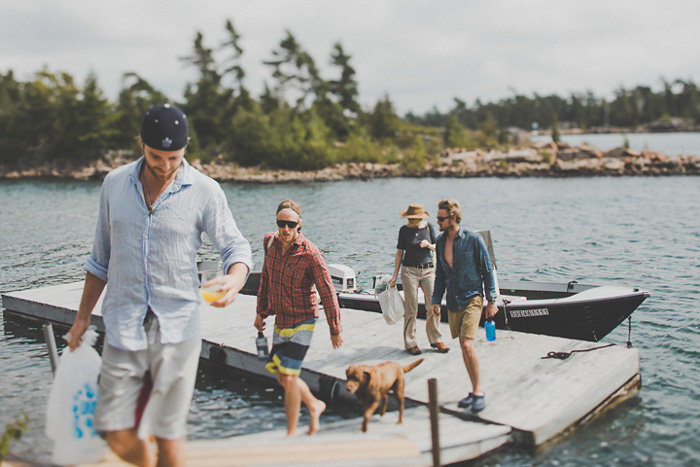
{"type": "Point", "coordinates": [288, 285]}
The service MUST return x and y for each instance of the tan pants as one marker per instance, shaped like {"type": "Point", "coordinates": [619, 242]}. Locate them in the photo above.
{"type": "Point", "coordinates": [412, 278]}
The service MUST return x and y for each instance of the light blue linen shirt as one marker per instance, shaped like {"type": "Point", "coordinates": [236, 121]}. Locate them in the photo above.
{"type": "Point", "coordinates": [149, 259]}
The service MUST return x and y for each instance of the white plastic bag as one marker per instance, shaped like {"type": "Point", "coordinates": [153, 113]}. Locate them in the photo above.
{"type": "Point", "coordinates": [391, 304]}
{"type": "Point", "coordinates": [390, 301]}
{"type": "Point", "coordinates": [71, 406]}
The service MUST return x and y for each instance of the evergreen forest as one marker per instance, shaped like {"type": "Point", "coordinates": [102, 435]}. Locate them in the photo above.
{"type": "Point", "coordinates": [302, 120]}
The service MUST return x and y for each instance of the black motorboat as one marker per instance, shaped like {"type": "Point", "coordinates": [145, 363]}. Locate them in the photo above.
{"type": "Point", "coordinates": [569, 309]}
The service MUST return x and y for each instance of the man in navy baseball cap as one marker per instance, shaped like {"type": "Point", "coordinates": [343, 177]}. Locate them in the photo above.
{"type": "Point", "coordinates": [164, 128]}
{"type": "Point", "coordinates": [164, 138]}
{"type": "Point", "coordinates": [152, 215]}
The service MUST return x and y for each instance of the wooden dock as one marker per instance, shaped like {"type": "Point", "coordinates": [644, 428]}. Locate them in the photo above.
{"type": "Point", "coordinates": [530, 400]}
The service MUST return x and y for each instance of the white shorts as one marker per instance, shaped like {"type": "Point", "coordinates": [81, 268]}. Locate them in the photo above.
{"type": "Point", "coordinates": [124, 386]}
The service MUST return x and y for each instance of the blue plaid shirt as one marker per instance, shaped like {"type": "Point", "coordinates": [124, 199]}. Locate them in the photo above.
{"type": "Point", "coordinates": [471, 272]}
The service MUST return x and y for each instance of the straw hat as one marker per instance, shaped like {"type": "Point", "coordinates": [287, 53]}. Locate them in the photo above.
{"type": "Point", "coordinates": [414, 211]}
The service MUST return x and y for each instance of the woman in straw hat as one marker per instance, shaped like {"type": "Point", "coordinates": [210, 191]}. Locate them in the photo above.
{"type": "Point", "coordinates": [416, 241]}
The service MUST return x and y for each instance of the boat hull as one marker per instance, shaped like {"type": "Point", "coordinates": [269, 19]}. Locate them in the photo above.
{"type": "Point", "coordinates": [575, 311]}
{"type": "Point", "coordinates": [568, 309]}
{"type": "Point", "coordinates": [590, 321]}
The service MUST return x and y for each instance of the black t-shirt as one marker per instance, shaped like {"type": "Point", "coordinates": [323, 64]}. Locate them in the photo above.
{"type": "Point", "coordinates": [409, 241]}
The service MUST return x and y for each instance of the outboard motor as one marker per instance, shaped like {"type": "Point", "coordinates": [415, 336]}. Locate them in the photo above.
{"type": "Point", "coordinates": [343, 278]}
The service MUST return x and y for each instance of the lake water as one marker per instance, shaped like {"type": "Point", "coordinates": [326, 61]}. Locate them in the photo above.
{"type": "Point", "coordinates": [679, 143]}
{"type": "Point", "coordinates": [632, 231]}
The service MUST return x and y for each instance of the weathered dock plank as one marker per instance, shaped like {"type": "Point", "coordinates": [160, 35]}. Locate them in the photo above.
{"type": "Point", "coordinates": [539, 398]}
{"type": "Point", "coordinates": [342, 444]}
{"type": "Point", "coordinates": [386, 443]}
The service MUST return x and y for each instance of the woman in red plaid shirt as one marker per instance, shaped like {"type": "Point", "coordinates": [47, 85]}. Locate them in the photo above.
{"type": "Point", "coordinates": [292, 272]}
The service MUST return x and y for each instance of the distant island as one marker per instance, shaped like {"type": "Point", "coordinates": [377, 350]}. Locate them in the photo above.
{"type": "Point", "coordinates": [310, 124]}
{"type": "Point", "coordinates": [533, 160]}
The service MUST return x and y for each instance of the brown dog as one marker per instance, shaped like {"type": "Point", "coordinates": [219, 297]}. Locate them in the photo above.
{"type": "Point", "coordinates": [371, 384]}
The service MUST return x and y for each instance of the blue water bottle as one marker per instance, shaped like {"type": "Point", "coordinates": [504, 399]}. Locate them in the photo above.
{"type": "Point", "coordinates": [490, 330]}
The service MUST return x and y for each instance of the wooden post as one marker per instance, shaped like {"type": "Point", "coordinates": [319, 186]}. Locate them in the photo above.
{"type": "Point", "coordinates": [51, 344]}
{"type": "Point", "coordinates": [434, 423]}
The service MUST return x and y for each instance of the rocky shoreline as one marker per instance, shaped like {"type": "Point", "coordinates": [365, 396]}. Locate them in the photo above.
{"type": "Point", "coordinates": [539, 160]}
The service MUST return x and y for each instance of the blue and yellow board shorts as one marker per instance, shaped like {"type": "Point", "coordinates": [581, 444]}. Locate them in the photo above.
{"type": "Point", "coordinates": [289, 348]}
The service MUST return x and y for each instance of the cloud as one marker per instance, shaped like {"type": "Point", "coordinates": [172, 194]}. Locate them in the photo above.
{"type": "Point", "coordinates": [421, 53]}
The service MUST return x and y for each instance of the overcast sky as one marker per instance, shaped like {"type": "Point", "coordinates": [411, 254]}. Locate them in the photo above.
{"type": "Point", "coordinates": [421, 53]}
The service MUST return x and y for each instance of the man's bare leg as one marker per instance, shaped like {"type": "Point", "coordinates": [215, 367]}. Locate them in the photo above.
{"type": "Point", "coordinates": [128, 446]}
{"type": "Point", "coordinates": [171, 452]}
{"type": "Point", "coordinates": [315, 406]}
{"type": "Point", "coordinates": [471, 362]}
{"type": "Point", "coordinates": [296, 391]}
{"type": "Point", "coordinates": [292, 401]}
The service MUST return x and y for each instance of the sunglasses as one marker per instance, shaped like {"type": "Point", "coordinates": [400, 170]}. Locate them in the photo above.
{"type": "Point", "coordinates": [441, 219]}
{"type": "Point", "coordinates": [290, 224]}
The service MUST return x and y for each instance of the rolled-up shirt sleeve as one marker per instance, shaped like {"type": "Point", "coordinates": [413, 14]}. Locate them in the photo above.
{"type": "Point", "coordinates": [97, 263]}
{"type": "Point", "coordinates": [95, 268]}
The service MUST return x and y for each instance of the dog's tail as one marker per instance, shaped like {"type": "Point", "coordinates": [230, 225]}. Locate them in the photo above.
{"type": "Point", "coordinates": [411, 366]}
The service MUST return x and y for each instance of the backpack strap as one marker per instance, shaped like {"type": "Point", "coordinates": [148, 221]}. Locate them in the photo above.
{"type": "Point", "coordinates": [270, 241]}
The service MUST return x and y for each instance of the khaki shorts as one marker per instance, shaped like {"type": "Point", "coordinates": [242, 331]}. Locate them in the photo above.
{"type": "Point", "coordinates": [173, 370]}
{"type": "Point", "coordinates": [465, 321]}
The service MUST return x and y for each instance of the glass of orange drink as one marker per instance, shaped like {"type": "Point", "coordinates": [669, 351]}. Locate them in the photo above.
{"type": "Point", "coordinates": [209, 287]}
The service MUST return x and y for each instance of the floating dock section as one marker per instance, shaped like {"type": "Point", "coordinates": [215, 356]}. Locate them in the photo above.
{"type": "Point", "coordinates": [530, 400]}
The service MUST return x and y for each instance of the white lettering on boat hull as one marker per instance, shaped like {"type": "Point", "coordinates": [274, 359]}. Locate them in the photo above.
{"type": "Point", "coordinates": [529, 313]}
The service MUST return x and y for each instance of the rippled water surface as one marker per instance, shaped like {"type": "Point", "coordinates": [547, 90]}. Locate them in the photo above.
{"type": "Point", "coordinates": [680, 143]}
{"type": "Point", "coordinates": [642, 232]}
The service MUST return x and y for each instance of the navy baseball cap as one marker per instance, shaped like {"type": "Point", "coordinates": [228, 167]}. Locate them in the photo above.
{"type": "Point", "coordinates": [164, 128]}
